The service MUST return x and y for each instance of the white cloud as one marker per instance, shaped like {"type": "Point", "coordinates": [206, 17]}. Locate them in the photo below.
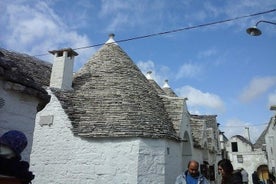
{"type": "Point", "coordinates": [159, 74]}
{"type": "Point", "coordinates": [110, 7]}
{"type": "Point", "coordinates": [208, 53]}
{"type": "Point", "coordinates": [200, 99]}
{"type": "Point", "coordinates": [246, 7]}
{"type": "Point", "coordinates": [37, 29]}
{"type": "Point", "coordinates": [146, 66]}
{"type": "Point", "coordinates": [211, 9]}
{"type": "Point", "coordinates": [237, 127]}
{"type": "Point", "coordinates": [119, 11]}
{"type": "Point", "coordinates": [125, 15]}
{"type": "Point", "coordinates": [188, 70]}
{"type": "Point", "coordinates": [257, 87]}
{"type": "Point", "coordinates": [272, 99]}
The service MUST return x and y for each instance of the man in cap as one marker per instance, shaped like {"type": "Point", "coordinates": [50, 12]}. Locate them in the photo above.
{"type": "Point", "coordinates": [12, 143]}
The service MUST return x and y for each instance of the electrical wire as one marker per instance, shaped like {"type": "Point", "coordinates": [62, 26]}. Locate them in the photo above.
{"type": "Point", "coordinates": [176, 30]}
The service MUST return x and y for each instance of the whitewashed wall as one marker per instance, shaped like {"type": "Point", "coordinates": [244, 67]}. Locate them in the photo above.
{"type": "Point", "coordinates": [251, 159]}
{"type": "Point", "coordinates": [250, 162]}
{"type": "Point", "coordinates": [270, 140]}
{"type": "Point", "coordinates": [197, 155]}
{"type": "Point", "coordinates": [60, 157]}
{"type": "Point", "coordinates": [159, 161]}
{"type": "Point", "coordinates": [18, 113]}
{"type": "Point", "coordinates": [173, 161]}
{"type": "Point", "coordinates": [242, 147]}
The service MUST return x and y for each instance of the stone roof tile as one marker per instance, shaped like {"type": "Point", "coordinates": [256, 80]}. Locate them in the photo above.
{"type": "Point", "coordinates": [197, 127]}
{"type": "Point", "coordinates": [26, 74]}
{"type": "Point", "coordinates": [112, 98]}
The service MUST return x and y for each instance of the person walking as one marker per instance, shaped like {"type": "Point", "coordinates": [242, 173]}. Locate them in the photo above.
{"type": "Point", "coordinates": [244, 176]}
{"type": "Point", "coordinates": [229, 176]}
{"type": "Point", "coordinates": [255, 178]}
{"type": "Point", "coordinates": [191, 175]}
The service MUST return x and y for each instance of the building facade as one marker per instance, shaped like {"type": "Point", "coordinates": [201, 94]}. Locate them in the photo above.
{"type": "Point", "coordinates": [111, 126]}
{"type": "Point", "coordinates": [107, 123]}
{"type": "Point", "coordinates": [250, 157]}
{"type": "Point", "coordinates": [270, 143]}
{"type": "Point", "coordinates": [21, 93]}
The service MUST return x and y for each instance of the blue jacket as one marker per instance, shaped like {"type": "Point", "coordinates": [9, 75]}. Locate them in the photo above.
{"type": "Point", "coordinates": [181, 179]}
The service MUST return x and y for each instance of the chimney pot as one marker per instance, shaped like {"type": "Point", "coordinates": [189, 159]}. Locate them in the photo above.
{"type": "Point", "coordinates": [62, 68]}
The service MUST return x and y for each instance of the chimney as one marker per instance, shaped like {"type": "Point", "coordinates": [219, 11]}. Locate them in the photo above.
{"type": "Point", "coordinates": [221, 140]}
{"type": "Point", "coordinates": [62, 69]}
{"type": "Point", "coordinates": [247, 133]}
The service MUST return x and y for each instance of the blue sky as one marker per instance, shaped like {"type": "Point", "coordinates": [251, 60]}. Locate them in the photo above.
{"type": "Point", "coordinates": [220, 69]}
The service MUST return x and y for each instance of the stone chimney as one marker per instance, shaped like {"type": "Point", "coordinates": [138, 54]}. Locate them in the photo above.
{"type": "Point", "coordinates": [247, 133]}
{"type": "Point", "coordinates": [62, 69]}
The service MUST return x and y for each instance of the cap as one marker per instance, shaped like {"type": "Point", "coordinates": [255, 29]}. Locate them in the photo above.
{"type": "Point", "coordinates": [14, 139]}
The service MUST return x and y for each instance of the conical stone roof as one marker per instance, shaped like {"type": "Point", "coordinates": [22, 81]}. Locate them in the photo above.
{"type": "Point", "coordinates": [112, 98]}
{"type": "Point", "coordinates": [154, 84]}
{"type": "Point", "coordinates": [30, 73]}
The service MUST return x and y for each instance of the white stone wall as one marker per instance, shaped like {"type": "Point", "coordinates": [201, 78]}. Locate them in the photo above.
{"type": "Point", "coordinates": [18, 113]}
{"type": "Point", "coordinates": [251, 159]}
{"type": "Point", "coordinates": [197, 155]}
{"type": "Point", "coordinates": [270, 140]}
{"type": "Point", "coordinates": [242, 147]}
{"type": "Point", "coordinates": [159, 161]}
{"type": "Point", "coordinates": [173, 161]}
{"type": "Point", "coordinates": [213, 159]}
{"type": "Point", "coordinates": [60, 157]}
{"type": "Point", "coordinates": [204, 155]}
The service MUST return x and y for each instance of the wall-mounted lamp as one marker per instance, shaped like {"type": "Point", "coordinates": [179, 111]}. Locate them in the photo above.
{"type": "Point", "coordinates": [254, 31]}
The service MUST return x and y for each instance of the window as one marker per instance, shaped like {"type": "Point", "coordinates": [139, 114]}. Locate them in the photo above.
{"type": "Point", "coordinates": [234, 146]}
{"type": "Point", "coordinates": [240, 158]}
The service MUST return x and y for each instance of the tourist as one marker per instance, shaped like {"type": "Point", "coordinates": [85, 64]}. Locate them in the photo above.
{"type": "Point", "coordinates": [191, 175]}
{"type": "Point", "coordinates": [12, 169]}
{"type": "Point", "coordinates": [229, 176]}
{"type": "Point", "coordinates": [244, 176]}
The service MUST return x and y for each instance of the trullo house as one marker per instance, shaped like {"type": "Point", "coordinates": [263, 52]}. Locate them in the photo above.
{"type": "Point", "coordinates": [109, 123]}
{"type": "Point", "coordinates": [22, 95]}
